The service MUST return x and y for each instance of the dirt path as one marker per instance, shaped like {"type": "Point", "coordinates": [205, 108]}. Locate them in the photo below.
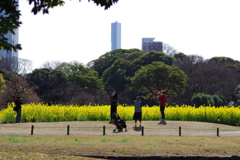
{"type": "Point", "coordinates": [97, 127]}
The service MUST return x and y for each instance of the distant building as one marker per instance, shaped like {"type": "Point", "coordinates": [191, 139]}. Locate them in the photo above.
{"type": "Point", "coordinates": [116, 35]}
{"type": "Point", "coordinates": [10, 55]}
{"type": "Point", "coordinates": [148, 45]}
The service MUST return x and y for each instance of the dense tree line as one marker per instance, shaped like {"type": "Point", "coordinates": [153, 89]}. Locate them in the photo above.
{"type": "Point", "coordinates": [131, 73]}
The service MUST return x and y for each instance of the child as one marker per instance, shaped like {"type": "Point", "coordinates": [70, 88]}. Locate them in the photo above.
{"type": "Point", "coordinates": [138, 111]}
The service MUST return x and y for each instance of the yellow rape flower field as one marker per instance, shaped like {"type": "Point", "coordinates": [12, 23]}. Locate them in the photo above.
{"type": "Point", "coordinates": [58, 113]}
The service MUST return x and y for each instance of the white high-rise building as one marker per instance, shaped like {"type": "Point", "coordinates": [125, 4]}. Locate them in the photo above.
{"type": "Point", "coordinates": [12, 39]}
{"type": "Point", "coordinates": [148, 45]}
{"type": "Point", "coordinates": [116, 35]}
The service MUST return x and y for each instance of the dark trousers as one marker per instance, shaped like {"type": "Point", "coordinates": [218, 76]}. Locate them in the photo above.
{"type": "Point", "coordinates": [18, 118]}
{"type": "Point", "coordinates": [113, 109]}
{"type": "Point", "coordinates": [137, 116]}
{"type": "Point", "coordinates": [162, 108]}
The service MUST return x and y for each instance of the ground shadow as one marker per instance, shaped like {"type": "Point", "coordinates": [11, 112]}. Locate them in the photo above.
{"type": "Point", "coordinates": [137, 129]}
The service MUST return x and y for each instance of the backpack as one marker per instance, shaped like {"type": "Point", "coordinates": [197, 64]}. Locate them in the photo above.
{"type": "Point", "coordinates": [15, 109]}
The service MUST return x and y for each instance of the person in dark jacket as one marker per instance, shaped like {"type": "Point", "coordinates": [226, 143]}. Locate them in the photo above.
{"type": "Point", "coordinates": [113, 99]}
{"type": "Point", "coordinates": [18, 104]}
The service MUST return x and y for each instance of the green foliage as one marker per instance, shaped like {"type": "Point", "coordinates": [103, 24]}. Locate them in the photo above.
{"type": "Point", "coordinates": [148, 58]}
{"type": "Point", "coordinates": [217, 100]}
{"type": "Point", "coordinates": [46, 82]}
{"type": "Point", "coordinates": [159, 76]}
{"type": "Point", "coordinates": [180, 56]}
{"type": "Point", "coordinates": [2, 82]}
{"type": "Point", "coordinates": [7, 75]}
{"type": "Point", "coordinates": [224, 60]}
{"type": "Point", "coordinates": [133, 55]}
{"type": "Point", "coordinates": [227, 62]}
{"type": "Point", "coordinates": [89, 81]}
{"type": "Point", "coordinates": [116, 76]}
{"type": "Point", "coordinates": [84, 77]}
{"type": "Point", "coordinates": [105, 61]}
{"type": "Point", "coordinates": [72, 67]}
{"type": "Point", "coordinates": [202, 99]}
{"type": "Point", "coordinates": [237, 95]}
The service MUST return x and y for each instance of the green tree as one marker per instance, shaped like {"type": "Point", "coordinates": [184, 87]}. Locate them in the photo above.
{"type": "Point", "coordinates": [208, 100]}
{"type": "Point", "coordinates": [7, 75]}
{"type": "Point", "coordinates": [201, 99]}
{"type": "Point", "coordinates": [116, 77]}
{"type": "Point", "coordinates": [85, 78]}
{"type": "Point", "coordinates": [2, 82]}
{"type": "Point", "coordinates": [72, 67]}
{"type": "Point", "coordinates": [148, 58]}
{"type": "Point", "coordinates": [159, 76]}
{"type": "Point", "coordinates": [224, 60]}
{"type": "Point", "coordinates": [180, 56]}
{"type": "Point", "coordinates": [219, 100]}
{"type": "Point", "coordinates": [236, 96]}
{"type": "Point", "coordinates": [47, 84]}
{"type": "Point", "coordinates": [134, 55]}
{"type": "Point", "coordinates": [88, 82]}
{"type": "Point", "coordinates": [105, 61]}
{"type": "Point", "coordinates": [10, 15]}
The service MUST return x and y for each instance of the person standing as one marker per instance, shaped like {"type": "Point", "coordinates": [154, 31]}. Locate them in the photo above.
{"type": "Point", "coordinates": [162, 98]}
{"type": "Point", "coordinates": [138, 111]}
{"type": "Point", "coordinates": [18, 104]}
{"type": "Point", "coordinates": [113, 99]}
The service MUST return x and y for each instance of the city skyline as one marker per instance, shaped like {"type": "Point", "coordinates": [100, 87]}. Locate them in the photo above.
{"type": "Point", "coordinates": [81, 30]}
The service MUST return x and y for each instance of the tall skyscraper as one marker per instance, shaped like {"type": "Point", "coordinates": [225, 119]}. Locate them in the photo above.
{"type": "Point", "coordinates": [148, 45]}
{"type": "Point", "coordinates": [10, 55]}
{"type": "Point", "coordinates": [116, 35]}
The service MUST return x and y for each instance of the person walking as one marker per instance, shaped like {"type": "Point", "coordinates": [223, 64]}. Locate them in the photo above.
{"type": "Point", "coordinates": [162, 98]}
{"type": "Point", "coordinates": [18, 104]}
{"type": "Point", "coordinates": [138, 111]}
{"type": "Point", "coordinates": [113, 99]}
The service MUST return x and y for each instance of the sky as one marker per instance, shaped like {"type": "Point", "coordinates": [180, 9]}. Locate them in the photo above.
{"type": "Point", "coordinates": [81, 31]}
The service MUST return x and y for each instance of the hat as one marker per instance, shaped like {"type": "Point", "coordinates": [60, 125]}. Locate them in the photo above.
{"type": "Point", "coordinates": [138, 97]}
{"type": "Point", "coordinates": [158, 92]}
{"type": "Point", "coordinates": [163, 91]}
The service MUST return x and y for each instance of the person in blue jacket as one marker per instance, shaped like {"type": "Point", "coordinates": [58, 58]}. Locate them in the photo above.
{"type": "Point", "coordinates": [138, 111]}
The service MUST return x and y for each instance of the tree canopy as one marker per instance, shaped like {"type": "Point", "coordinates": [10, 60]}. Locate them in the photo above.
{"type": "Point", "coordinates": [159, 76]}
{"type": "Point", "coordinates": [106, 60]}
{"type": "Point", "coordinates": [46, 83]}
{"type": "Point", "coordinates": [116, 76]}
{"type": "Point", "coordinates": [85, 78]}
{"type": "Point", "coordinates": [2, 82]}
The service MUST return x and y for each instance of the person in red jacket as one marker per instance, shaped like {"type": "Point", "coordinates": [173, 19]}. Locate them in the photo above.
{"type": "Point", "coordinates": [162, 98]}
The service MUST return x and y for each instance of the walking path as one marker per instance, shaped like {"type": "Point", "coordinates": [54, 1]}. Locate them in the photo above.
{"type": "Point", "coordinates": [104, 128]}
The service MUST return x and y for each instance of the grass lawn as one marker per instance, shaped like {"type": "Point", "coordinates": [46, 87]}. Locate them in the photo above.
{"type": "Point", "coordinates": [82, 140]}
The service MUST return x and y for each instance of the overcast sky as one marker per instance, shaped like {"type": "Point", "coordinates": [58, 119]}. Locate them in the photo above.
{"type": "Point", "coordinates": [81, 31]}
